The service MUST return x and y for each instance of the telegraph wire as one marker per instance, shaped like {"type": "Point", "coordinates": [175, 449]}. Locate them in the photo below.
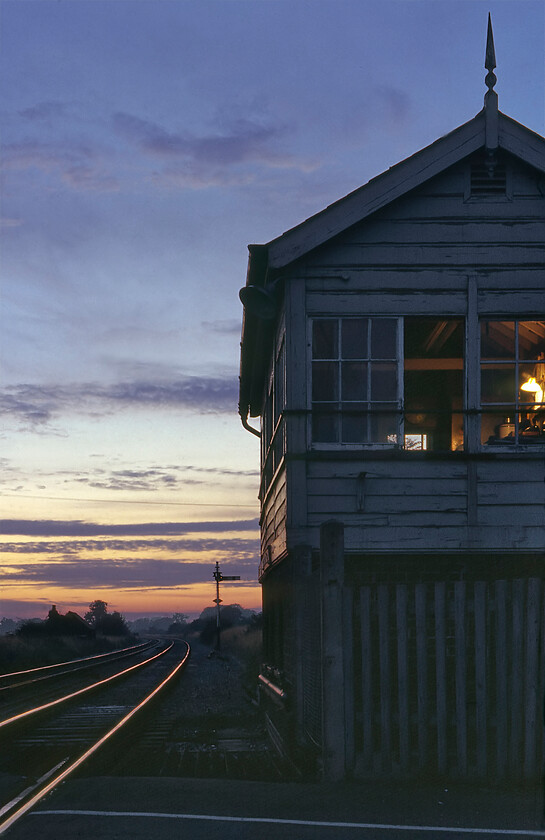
{"type": "Point", "coordinates": [122, 502]}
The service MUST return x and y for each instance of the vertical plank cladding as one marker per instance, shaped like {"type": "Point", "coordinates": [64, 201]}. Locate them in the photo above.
{"type": "Point", "coordinates": [441, 689]}
{"type": "Point", "coordinates": [402, 676]}
{"type": "Point", "coordinates": [451, 679]}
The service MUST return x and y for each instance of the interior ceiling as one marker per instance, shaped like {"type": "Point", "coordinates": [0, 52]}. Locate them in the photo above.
{"type": "Point", "coordinates": [531, 334]}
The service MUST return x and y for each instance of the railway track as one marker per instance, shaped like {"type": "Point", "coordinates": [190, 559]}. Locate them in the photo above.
{"type": "Point", "coordinates": [45, 743]}
{"type": "Point", "coordinates": [31, 676]}
{"type": "Point", "coordinates": [23, 689]}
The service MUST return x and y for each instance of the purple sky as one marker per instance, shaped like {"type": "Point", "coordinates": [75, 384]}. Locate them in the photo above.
{"type": "Point", "coordinates": [144, 145]}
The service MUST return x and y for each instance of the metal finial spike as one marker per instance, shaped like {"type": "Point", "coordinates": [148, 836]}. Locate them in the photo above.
{"type": "Point", "coordinates": [490, 58]}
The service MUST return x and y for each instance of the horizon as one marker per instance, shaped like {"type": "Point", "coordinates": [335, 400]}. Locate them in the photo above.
{"type": "Point", "coordinates": [163, 138]}
{"type": "Point", "coordinates": [150, 616]}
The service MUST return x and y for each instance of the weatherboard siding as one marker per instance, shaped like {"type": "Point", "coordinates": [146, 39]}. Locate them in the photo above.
{"type": "Point", "coordinates": [423, 254]}
{"type": "Point", "coordinates": [273, 520]}
{"type": "Point", "coordinates": [429, 505]}
{"type": "Point", "coordinates": [436, 225]}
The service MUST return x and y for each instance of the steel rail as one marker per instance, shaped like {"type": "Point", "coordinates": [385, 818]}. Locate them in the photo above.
{"type": "Point", "coordinates": [22, 715]}
{"type": "Point", "coordinates": [6, 824]}
{"type": "Point", "coordinates": [111, 656]}
{"type": "Point", "coordinates": [72, 661]}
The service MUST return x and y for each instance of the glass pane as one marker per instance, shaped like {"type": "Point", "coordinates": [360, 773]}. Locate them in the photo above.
{"type": "Point", "coordinates": [354, 338]}
{"type": "Point", "coordinates": [531, 339]}
{"type": "Point", "coordinates": [354, 423]}
{"type": "Point", "coordinates": [324, 426]}
{"type": "Point", "coordinates": [497, 339]}
{"type": "Point", "coordinates": [530, 427]}
{"type": "Point", "coordinates": [324, 339]}
{"type": "Point", "coordinates": [498, 429]}
{"type": "Point", "coordinates": [416, 441]}
{"type": "Point", "coordinates": [434, 338]}
{"type": "Point", "coordinates": [383, 381]}
{"type": "Point", "coordinates": [531, 385]}
{"type": "Point", "coordinates": [457, 437]}
{"type": "Point", "coordinates": [498, 383]}
{"type": "Point", "coordinates": [325, 381]}
{"type": "Point", "coordinates": [384, 427]}
{"type": "Point", "coordinates": [354, 380]}
{"type": "Point", "coordinates": [383, 338]}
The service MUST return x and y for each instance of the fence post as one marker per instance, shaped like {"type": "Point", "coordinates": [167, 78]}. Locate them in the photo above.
{"type": "Point", "coordinates": [333, 676]}
{"type": "Point", "coordinates": [302, 570]}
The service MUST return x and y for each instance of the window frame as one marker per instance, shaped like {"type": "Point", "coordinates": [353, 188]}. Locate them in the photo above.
{"type": "Point", "coordinates": [400, 410]}
{"type": "Point", "coordinates": [396, 409]}
{"type": "Point", "coordinates": [516, 407]}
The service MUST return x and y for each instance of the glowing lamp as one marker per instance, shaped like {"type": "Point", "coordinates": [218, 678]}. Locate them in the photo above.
{"type": "Point", "coordinates": [533, 387]}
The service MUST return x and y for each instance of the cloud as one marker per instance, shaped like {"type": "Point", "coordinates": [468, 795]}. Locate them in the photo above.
{"type": "Point", "coordinates": [222, 471]}
{"type": "Point", "coordinates": [79, 528]}
{"type": "Point", "coordinates": [39, 404]}
{"type": "Point", "coordinates": [234, 546]}
{"type": "Point", "coordinates": [149, 479]}
{"type": "Point", "coordinates": [216, 159]}
{"type": "Point", "coordinates": [29, 403]}
{"type": "Point", "coordinates": [228, 326]}
{"type": "Point", "coordinates": [78, 165]}
{"type": "Point", "coordinates": [44, 111]}
{"type": "Point", "coordinates": [133, 573]}
{"type": "Point", "coordinates": [199, 392]}
{"type": "Point", "coordinates": [154, 478]}
{"type": "Point", "coordinates": [10, 223]}
{"type": "Point", "coordinates": [245, 141]}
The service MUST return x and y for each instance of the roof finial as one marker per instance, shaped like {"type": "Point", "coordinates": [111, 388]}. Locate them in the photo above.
{"type": "Point", "coordinates": [490, 97]}
{"type": "Point", "coordinates": [490, 58]}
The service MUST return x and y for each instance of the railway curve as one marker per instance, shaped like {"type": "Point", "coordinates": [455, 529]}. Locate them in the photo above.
{"type": "Point", "coordinates": [52, 743]}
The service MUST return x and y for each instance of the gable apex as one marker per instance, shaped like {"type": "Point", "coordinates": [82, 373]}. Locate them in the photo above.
{"type": "Point", "coordinates": [399, 180]}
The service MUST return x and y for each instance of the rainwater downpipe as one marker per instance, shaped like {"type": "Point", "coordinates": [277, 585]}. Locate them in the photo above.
{"type": "Point", "coordinates": [244, 421]}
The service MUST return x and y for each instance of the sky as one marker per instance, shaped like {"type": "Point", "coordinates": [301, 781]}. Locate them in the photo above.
{"type": "Point", "coordinates": [144, 145]}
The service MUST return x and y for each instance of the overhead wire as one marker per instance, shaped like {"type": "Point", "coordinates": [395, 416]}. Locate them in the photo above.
{"type": "Point", "coordinates": [123, 501]}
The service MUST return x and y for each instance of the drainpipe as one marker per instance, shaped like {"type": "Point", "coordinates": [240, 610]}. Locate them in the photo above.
{"type": "Point", "coordinates": [244, 421]}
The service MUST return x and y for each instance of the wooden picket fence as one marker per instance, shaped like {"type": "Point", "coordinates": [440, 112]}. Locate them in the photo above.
{"type": "Point", "coordinates": [449, 678]}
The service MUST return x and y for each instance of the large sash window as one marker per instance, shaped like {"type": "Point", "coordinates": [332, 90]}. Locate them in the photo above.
{"type": "Point", "coordinates": [388, 382]}
{"type": "Point", "coordinates": [355, 380]}
{"type": "Point", "coordinates": [512, 382]}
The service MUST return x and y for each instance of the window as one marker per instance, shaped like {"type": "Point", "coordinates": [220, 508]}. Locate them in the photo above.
{"type": "Point", "coordinates": [434, 383]}
{"type": "Point", "coordinates": [355, 380]}
{"type": "Point", "coordinates": [512, 382]}
{"type": "Point", "coordinates": [388, 382]}
{"type": "Point", "coordinates": [273, 436]}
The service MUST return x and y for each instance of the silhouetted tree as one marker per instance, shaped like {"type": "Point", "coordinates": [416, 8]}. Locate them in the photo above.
{"type": "Point", "coordinates": [97, 611]}
{"type": "Point", "coordinates": [112, 624]}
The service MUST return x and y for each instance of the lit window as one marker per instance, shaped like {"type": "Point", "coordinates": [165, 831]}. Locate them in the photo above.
{"type": "Point", "coordinates": [367, 384]}
{"type": "Point", "coordinates": [434, 383]}
{"type": "Point", "coordinates": [512, 382]}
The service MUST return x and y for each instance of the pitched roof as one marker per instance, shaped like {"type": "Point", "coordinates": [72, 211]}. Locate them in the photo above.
{"type": "Point", "coordinates": [399, 179]}
{"type": "Point", "coordinates": [488, 129]}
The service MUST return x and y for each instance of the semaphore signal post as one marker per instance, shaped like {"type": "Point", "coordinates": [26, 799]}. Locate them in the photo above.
{"type": "Point", "coordinates": [217, 600]}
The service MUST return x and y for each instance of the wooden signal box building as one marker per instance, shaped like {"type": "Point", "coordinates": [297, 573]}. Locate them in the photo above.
{"type": "Point", "coordinates": [393, 346]}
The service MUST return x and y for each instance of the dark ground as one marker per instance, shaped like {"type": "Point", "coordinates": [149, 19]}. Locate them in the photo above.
{"type": "Point", "coordinates": [207, 755]}
{"type": "Point", "coordinates": [208, 726]}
